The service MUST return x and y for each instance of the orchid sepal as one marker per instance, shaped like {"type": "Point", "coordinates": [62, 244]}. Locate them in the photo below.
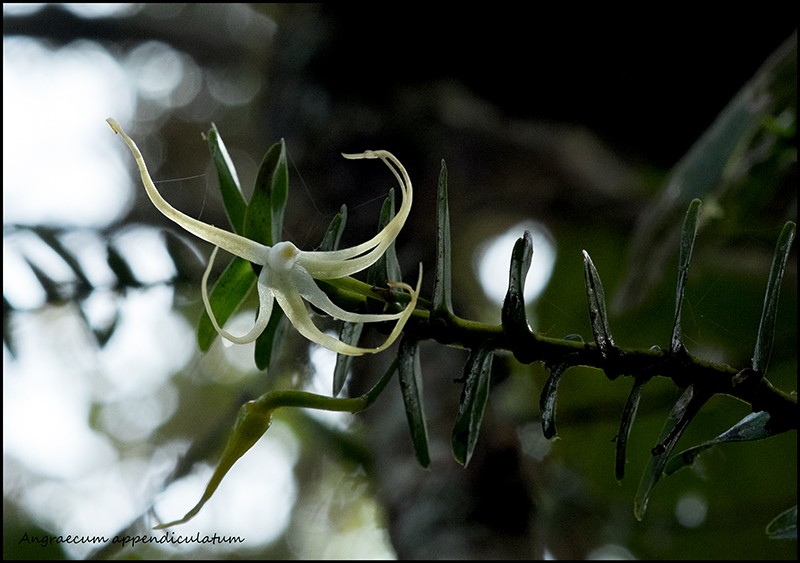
{"type": "Point", "coordinates": [288, 273]}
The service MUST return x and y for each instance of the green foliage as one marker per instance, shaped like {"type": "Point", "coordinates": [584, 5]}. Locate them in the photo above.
{"type": "Point", "coordinates": [701, 179]}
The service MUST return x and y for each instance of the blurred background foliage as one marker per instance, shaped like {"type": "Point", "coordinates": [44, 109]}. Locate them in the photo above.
{"type": "Point", "coordinates": [571, 120]}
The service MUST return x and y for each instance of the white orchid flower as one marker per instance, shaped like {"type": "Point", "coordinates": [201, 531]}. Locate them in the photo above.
{"type": "Point", "coordinates": [288, 273]}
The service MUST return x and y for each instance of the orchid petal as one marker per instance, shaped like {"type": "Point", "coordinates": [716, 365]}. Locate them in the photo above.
{"type": "Point", "coordinates": [305, 285]}
{"type": "Point", "coordinates": [292, 304]}
{"type": "Point", "coordinates": [265, 301]}
{"type": "Point", "coordinates": [345, 262]}
{"type": "Point", "coordinates": [233, 243]}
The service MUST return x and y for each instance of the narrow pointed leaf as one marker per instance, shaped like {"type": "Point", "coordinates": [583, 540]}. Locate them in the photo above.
{"type": "Point", "coordinates": [332, 237]}
{"type": "Point", "coordinates": [682, 414]}
{"type": "Point", "coordinates": [349, 334]}
{"type": "Point", "coordinates": [50, 239]}
{"type": "Point", "coordinates": [187, 260]}
{"type": "Point", "coordinates": [514, 317]}
{"type": "Point", "coordinates": [442, 298]}
{"type": "Point", "coordinates": [52, 289]}
{"type": "Point", "coordinates": [784, 526]}
{"type": "Point", "coordinates": [547, 400]}
{"type": "Point", "coordinates": [226, 296]}
{"type": "Point", "coordinates": [103, 325]}
{"type": "Point", "coordinates": [597, 308]}
{"type": "Point", "coordinates": [477, 379]}
{"type": "Point", "coordinates": [755, 426]}
{"type": "Point", "coordinates": [9, 338]}
{"type": "Point", "coordinates": [231, 190]}
{"type": "Point", "coordinates": [264, 218]}
{"type": "Point", "coordinates": [269, 340]}
{"type": "Point", "coordinates": [411, 388]}
{"type": "Point", "coordinates": [766, 329]}
{"type": "Point", "coordinates": [387, 268]}
{"type": "Point", "coordinates": [121, 268]}
{"type": "Point", "coordinates": [687, 244]}
{"type": "Point", "coordinates": [626, 423]}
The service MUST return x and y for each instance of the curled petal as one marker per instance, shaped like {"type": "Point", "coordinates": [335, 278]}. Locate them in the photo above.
{"type": "Point", "coordinates": [233, 243]}
{"type": "Point", "coordinates": [348, 261]}
{"type": "Point", "coordinates": [265, 300]}
{"type": "Point", "coordinates": [305, 285]}
{"type": "Point", "coordinates": [292, 304]}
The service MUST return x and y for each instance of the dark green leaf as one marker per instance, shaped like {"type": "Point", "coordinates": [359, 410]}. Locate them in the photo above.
{"type": "Point", "coordinates": [264, 217]}
{"type": "Point", "coordinates": [330, 241]}
{"type": "Point", "coordinates": [766, 329]}
{"type": "Point", "coordinates": [755, 426]}
{"type": "Point", "coordinates": [52, 289]}
{"type": "Point", "coordinates": [349, 334]}
{"type": "Point", "coordinates": [626, 423]}
{"type": "Point", "coordinates": [597, 307]}
{"type": "Point", "coordinates": [48, 236]}
{"type": "Point", "coordinates": [682, 414]}
{"type": "Point", "coordinates": [121, 268]}
{"type": "Point", "coordinates": [784, 525]}
{"type": "Point", "coordinates": [231, 190]}
{"type": "Point", "coordinates": [185, 257]}
{"type": "Point", "coordinates": [687, 244]}
{"type": "Point", "coordinates": [411, 387]}
{"type": "Point", "coordinates": [442, 298]}
{"type": "Point", "coordinates": [387, 268]}
{"type": "Point", "coordinates": [547, 400]}
{"type": "Point", "coordinates": [477, 377]}
{"type": "Point", "coordinates": [269, 340]}
{"type": "Point", "coordinates": [226, 297]}
{"type": "Point", "coordinates": [8, 333]}
{"type": "Point", "coordinates": [514, 317]}
{"type": "Point", "coordinates": [102, 327]}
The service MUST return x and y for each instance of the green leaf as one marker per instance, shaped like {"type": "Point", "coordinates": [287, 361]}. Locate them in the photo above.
{"type": "Point", "coordinates": [766, 329]}
{"type": "Point", "coordinates": [687, 244]}
{"type": "Point", "coordinates": [49, 237]}
{"type": "Point", "coordinates": [264, 217]}
{"type": "Point", "coordinates": [52, 288]}
{"type": "Point", "coordinates": [232, 197]}
{"type": "Point", "coordinates": [442, 298]}
{"type": "Point", "coordinates": [514, 317]}
{"type": "Point", "coordinates": [269, 340]}
{"type": "Point", "coordinates": [387, 268]}
{"type": "Point", "coordinates": [227, 295]}
{"type": "Point", "coordinates": [784, 525]}
{"type": "Point", "coordinates": [597, 308]}
{"type": "Point", "coordinates": [185, 257]}
{"type": "Point", "coordinates": [121, 268]}
{"type": "Point", "coordinates": [349, 333]}
{"type": "Point", "coordinates": [755, 426]}
{"type": "Point", "coordinates": [330, 241]}
{"type": "Point", "coordinates": [682, 414]}
{"type": "Point", "coordinates": [626, 423]}
{"type": "Point", "coordinates": [547, 400]}
{"type": "Point", "coordinates": [478, 375]}
{"type": "Point", "coordinates": [410, 373]}
{"type": "Point", "coordinates": [9, 338]}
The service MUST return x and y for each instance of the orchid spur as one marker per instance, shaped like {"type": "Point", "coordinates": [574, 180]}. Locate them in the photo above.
{"type": "Point", "coordinates": [288, 273]}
